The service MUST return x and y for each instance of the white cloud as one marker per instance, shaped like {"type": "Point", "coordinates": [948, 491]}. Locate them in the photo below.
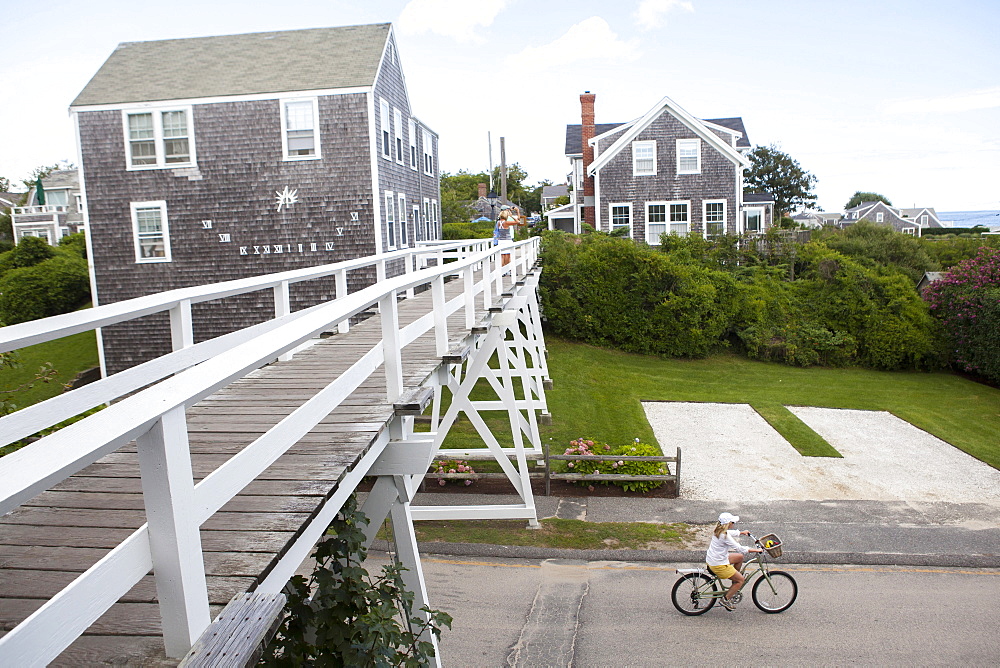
{"type": "Point", "coordinates": [984, 98]}
{"type": "Point", "coordinates": [651, 12]}
{"type": "Point", "coordinates": [459, 19]}
{"type": "Point", "coordinates": [591, 39]}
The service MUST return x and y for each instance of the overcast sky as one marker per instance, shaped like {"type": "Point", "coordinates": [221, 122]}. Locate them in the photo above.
{"type": "Point", "coordinates": [900, 97]}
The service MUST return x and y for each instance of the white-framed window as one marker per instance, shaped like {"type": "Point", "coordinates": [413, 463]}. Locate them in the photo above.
{"type": "Point", "coordinates": [418, 229]}
{"type": "Point", "coordinates": [621, 216]}
{"type": "Point", "coordinates": [403, 232]}
{"type": "Point", "coordinates": [41, 233]}
{"type": "Point", "coordinates": [384, 122]}
{"type": "Point", "coordinates": [644, 158]}
{"type": "Point", "coordinates": [390, 219]}
{"type": "Point", "coordinates": [909, 230]}
{"type": "Point", "coordinates": [412, 127]}
{"type": "Point", "coordinates": [879, 217]}
{"type": "Point", "coordinates": [79, 203]}
{"type": "Point", "coordinates": [425, 217]}
{"type": "Point", "coordinates": [923, 220]}
{"type": "Point", "coordinates": [753, 220]}
{"type": "Point", "coordinates": [428, 154]}
{"type": "Point", "coordinates": [679, 214]}
{"type": "Point", "coordinates": [397, 118]}
{"type": "Point", "coordinates": [689, 156]}
{"type": "Point", "coordinates": [435, 220]}
{"type": "Point", "coordinates": [656, 222]}
{"type": "Point", "coordinates": [158, 139]}
{"type": "Point", "coordinates": [714, 217]}
{"type": "Point", "coordinates": [300, 134]}
{"type": "Point", "coordinates": [151, 232]}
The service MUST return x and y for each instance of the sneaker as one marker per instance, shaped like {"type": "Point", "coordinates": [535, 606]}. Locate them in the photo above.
{"type": "Point", "coordinates": [727, 604]}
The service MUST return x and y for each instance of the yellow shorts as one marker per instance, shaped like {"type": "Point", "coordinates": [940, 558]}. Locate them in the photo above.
{"type": "Point", "coordinates": [726, 571]}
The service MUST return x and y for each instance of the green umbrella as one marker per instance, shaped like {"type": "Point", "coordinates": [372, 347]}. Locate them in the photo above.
{"type": "Point", "coordinates": [39, 191]}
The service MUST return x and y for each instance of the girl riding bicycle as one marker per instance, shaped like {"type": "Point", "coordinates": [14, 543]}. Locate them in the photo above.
{"type": "Point", "coordinates": [726, 565]}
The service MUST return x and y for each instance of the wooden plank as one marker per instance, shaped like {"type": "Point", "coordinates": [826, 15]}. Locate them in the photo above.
{"type": "Point", "coordinates": [79, 559]}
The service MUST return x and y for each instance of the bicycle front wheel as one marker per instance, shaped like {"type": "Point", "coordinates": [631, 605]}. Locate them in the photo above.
{"type": "Point", "coordinates": [775, 592]}
{"type": "Point", "coordinates": [692, 594]}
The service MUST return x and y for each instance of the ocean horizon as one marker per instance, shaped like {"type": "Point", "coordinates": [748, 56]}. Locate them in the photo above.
{"type": "Point", "coordinates": [990, 218]}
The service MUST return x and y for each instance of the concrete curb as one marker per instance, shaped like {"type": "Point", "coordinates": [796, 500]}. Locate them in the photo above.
{"type": "Point", "coordinates": [693, 558]}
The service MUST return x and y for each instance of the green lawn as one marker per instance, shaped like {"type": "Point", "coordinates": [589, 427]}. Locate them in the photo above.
{"type": "Point", "coordinates": [597, 393]}
{"type": "Point", "coordinates": [69, 356]}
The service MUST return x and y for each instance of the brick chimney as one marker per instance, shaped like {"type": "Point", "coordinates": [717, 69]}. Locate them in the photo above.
{"type": "Point", "coordinates": [482, 190]}
{"type": "Point", "coordinates": [586, 134]}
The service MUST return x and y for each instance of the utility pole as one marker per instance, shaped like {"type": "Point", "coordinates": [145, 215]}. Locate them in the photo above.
{"type": "Point", "coordinates": [503, 171]}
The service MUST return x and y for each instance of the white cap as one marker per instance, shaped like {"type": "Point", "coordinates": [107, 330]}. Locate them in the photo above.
{"type": "Point", "coordinates": [728, 518]}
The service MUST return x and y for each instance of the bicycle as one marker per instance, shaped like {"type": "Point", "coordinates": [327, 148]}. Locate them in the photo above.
{"type": "Point", "coordinates": [697, 590]}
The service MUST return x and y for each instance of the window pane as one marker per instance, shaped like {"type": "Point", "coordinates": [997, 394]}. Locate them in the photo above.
{"type": "Point", "coordinates": [148, 221]}
{"type": "Point", "coordinates": [714, 212]}
{"type": "Point", "coordinates": [298, 116]}
{"type": "Point", "coordinates": [174, 124]}
{"type": "Point", "coordinates": [657, 213]}
{"type": "Point", "coordinates": [680, 229]}
{"type": "Point", "coordinates": [176, 150]}
{"type": "Point", "coordinates": [753, 221]}
{"type": "Point", "coordinates": [152, 246]}
{"type": "Point", "coordinates": [140, 126]}
{"type": "Point", "coordinates": [678, 213]}
{"type": "Point", "coordinates": [619, 216]}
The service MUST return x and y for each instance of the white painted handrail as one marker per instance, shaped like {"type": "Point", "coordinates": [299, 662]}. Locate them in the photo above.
{"type": "Point", "coordinates": [47, 329]}
{"type": "Point", "coordinates": [155, 416]}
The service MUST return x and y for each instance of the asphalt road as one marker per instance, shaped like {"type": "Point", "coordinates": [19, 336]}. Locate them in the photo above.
{"type": "Point", "coordinates": [529, 612]}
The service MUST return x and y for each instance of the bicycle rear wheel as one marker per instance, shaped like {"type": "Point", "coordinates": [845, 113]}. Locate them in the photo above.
{"type": "Point", "coordinates": [776, 595]}
{"type": "Point", "coordinates": [688, 591]}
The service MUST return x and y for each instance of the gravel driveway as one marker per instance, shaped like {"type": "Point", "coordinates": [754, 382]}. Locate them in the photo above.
{"type": "Point", "coordinates": [730, 453]}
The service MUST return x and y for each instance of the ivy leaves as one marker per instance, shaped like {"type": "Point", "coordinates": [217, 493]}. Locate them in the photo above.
{"type": "Point", "coordinates": [342, 616]}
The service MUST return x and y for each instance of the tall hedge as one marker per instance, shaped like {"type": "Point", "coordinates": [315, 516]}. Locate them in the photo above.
{"type": "Point", "coordinates": [686, 300]}
{"type": "Point", "coordinates": [57, 285]}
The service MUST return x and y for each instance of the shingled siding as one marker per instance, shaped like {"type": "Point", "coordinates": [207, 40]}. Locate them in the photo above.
{"type": "Point", "coordinates": [717, 179]}
{"type": "Point", "coordinates": [239, 172]}
{"type": "Point", "coordinates": [395, 177]}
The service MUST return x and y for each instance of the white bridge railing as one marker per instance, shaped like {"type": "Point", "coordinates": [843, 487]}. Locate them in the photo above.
{"type": "Point", "coordinates": [155, 417]}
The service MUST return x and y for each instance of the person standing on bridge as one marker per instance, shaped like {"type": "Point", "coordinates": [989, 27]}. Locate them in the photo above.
{"type": "Point", "coordinates": [726, 565]}
{"type": "Point", "coordinates": [508, 219]}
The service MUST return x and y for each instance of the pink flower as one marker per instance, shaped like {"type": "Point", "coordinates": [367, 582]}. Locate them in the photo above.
{"type": "Point", "coordinates": [441, 482]}
{"type": "Point", "coordinates": [607, 447]}
{"type": "Point", "coordinates": [590, 487]}
{"type": "Point", "coordinates": [621, 463]}
{"type": "Point", "coordinates": [614, 465]}
{"type": "Point", "coordinates": [570, 464]}
{"type": "Point", "coordinates": [468, 482]}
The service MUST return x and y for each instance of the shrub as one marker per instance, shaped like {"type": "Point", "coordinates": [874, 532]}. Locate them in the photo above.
{"type": "Point", "coordinates": [74, 243]}
{"type": "Point", "coordinates": [457, 231]}
{"type": "Point", "coordinates": [27, 253]}
{"type": "Point", "coordinates": [452, 466]}
{"type": "Point", "coordinates": [57, 285]}
{"type": "Point", "coordinates": [584, 446]}
{"type": "Point", "coordinates": [873, 245]}
{"type": "Point", "coordinates": [967, 303]}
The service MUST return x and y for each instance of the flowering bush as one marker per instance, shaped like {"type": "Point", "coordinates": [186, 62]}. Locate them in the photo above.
{"type": "Point", "coordinates": [452, 466]}
{"type": "Point", "coordinates": [582, 446]}
{"type": "Point", "coordinates": [967, 303]}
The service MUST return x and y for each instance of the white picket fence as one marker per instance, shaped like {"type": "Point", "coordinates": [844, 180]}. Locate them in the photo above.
{"type": "Point", "coordinates": [155, 417]}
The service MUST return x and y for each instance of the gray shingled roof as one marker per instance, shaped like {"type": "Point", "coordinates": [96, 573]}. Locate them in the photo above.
{"type": "Point", "coordinates": [733, 124]}
{"type": "Point", "coordinates": [574, 145]}
{"type": "Point", "coordinates": [267, 62]}
{"type": "Point", "coordinates": [757, 197]}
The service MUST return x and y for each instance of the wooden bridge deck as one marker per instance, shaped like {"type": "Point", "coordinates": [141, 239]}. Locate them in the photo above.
{"type": "Point", "coordinates": [60, 533]}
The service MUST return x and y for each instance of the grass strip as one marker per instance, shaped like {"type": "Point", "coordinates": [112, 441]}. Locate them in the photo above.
{"type": "Point", "coordinates": [555, 533]}
{"type": "Point", "coordinates": [795, 431]}
{"type": "Point", "coordinates": [69, 356]}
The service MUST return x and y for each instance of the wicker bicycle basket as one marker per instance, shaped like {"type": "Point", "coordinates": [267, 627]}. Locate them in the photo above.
{"type": "Point", "coordinates": [774, 551]}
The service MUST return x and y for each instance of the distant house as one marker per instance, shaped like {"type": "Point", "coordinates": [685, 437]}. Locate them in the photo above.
{"type": "Point", "coordinates": [666, 171]}
{"type": "Point", "coordinates": [60, 214]}
{"type": "Point", "coordinates": [551, 193]}
{"type": "Point", "coordinates": [928, 278]}
{"type": "Point", "coordinates": [907, 221]}
{"type": "Point", "coordinates": [814, 219]}
{"type": "Point", "coordinates": [215, 158]}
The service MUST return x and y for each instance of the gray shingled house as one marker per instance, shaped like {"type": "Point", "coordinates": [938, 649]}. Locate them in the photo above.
{"type": "Point", "coordinates": [666, 171]}
{"type": "Point", "coordinates": [217, 158]}
{"type": "Point", "coordinates": [907, 221]}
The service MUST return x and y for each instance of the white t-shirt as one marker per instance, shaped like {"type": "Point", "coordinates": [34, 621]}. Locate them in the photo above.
{"type": "Point", "coordinates": [718, 549]}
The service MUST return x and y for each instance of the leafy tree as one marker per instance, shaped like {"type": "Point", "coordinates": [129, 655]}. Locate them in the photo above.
{"type": "Point", "coordinates": [45, 170]}
{"type": "Point", "coordinates": [4, 184]}
{"type": "Point", "coordinates": [860, 197]}
{"type": "Point", "coordinates": [27, 253]}
{"type": "Point", "coordinates": [967, 303]}
{"type": "Point", "coordinates": [776, 173]}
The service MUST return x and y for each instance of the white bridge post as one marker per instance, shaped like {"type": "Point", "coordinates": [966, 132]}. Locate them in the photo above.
{"type": "Point", "coordinates": [174, 534]}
